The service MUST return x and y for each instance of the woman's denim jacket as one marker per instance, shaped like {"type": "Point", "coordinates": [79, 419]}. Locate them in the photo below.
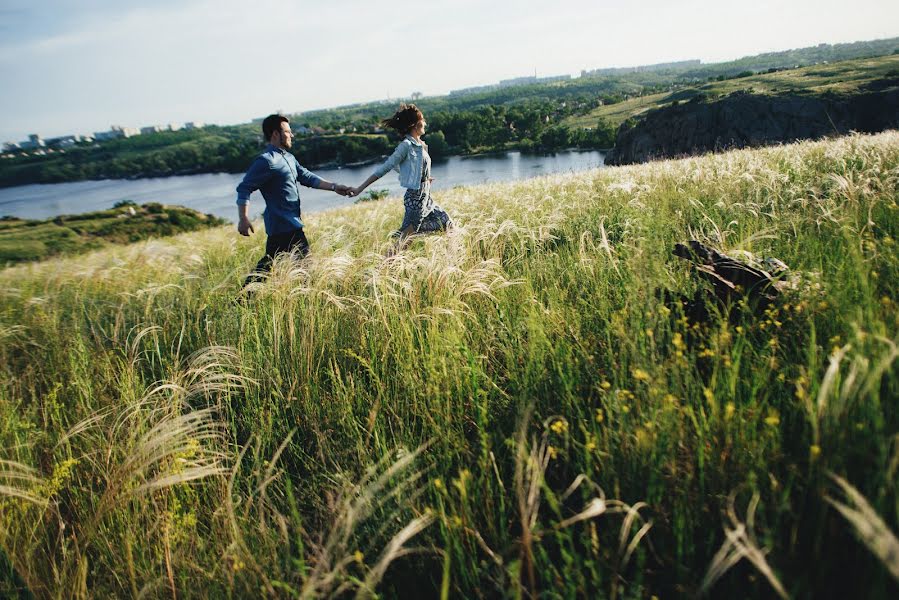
{"type": "Point", "coordinates": [407, 159]}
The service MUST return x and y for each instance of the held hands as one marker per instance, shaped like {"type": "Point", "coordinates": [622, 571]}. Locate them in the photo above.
{"type": "Point", "coordinates": [344, 190]}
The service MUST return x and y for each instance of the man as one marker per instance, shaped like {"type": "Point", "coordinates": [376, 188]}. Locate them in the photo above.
{"type": "Point", "coordinates": [278, 175]}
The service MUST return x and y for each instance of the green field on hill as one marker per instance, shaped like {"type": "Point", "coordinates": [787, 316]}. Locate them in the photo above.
{"type": "Point", "coordinates": [513, 409]}
{"type": "Point", "coordinates": [844, 77]}
{"type": "Point", "coordinates": [24, 240]}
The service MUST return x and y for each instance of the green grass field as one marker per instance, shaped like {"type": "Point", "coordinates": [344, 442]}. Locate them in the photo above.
{"type": "Point", "coordinates": [842, 77]}
{"type": "Point", "coordinates": [24, 240]}
{"type": "Point", "coordinates": [508, 410]}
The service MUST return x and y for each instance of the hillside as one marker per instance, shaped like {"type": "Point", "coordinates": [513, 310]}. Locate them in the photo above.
{"type": "Point", "coordinates": [23, 240]}
{"type": "Point", "coordinates": [841, 78]}
{"type": "Point", "coordinates": [521, 407]}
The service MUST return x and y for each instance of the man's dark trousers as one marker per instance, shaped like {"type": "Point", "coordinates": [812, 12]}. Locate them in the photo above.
{"type": "Point", "coordinates": [292, 241]}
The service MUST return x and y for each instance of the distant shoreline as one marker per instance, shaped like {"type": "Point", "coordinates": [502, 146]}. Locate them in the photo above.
{"type": "Point", "coordinates": [315, 167]}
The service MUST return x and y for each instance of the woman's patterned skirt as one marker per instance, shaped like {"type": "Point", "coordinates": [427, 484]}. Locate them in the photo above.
{"type": "Point", "coordinates": [423, 213]}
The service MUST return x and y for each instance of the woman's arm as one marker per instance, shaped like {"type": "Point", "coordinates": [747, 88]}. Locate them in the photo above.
{"type": "Point", "coordinates": [371, 179]}
{"type": "Point", "coordinates": [398, 156]}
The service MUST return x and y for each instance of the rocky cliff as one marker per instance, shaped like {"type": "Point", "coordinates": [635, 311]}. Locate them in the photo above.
{"type": "Point", "coordinates": [744, 119]}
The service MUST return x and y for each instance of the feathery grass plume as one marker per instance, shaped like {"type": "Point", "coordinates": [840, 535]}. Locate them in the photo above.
{"type": "Point", "coordinates": [531, 462]}
{"type": "Point", "coordinates": [381, 485]}
{"type": "Point", "coordinates": [335, 566]}
{"type": "Point", "coordinates": [838, 392]}
{"type": "Point", "coordinates": [740, 543]}
{"type": "Point", "coordinates": [20, 481]}
{"type": "Point", "coordinates": [129, 452]}
{"type": "Point", "coordinates": [867, 524]}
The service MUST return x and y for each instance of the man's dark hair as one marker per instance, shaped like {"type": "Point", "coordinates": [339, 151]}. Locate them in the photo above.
{"type": "Point", "coordinates": [271, 124]}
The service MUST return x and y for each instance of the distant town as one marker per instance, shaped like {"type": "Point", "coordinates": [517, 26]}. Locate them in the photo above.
{"type": "Point", "coordinates": [39, 146]}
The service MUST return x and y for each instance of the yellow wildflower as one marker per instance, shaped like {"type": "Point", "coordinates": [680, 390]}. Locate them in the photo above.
{"type": "Point", "coordinates": [640, 375]}
{"type": "Point", "coordinates": [729, 410]}
{"type": "Point", "coordinates": [599, 415]}
{"type": "Point", "coordinates": [559, 426]}
{"type": "Point", "coordinates": [814, 451]}
{"type": "Point", "coordinates": [553, 453]}
{"type": "Point", "coordinates": [358, 556]}
{"type": "Point", "coordinates": [590, 446]}
{"type": "Point", "coordinates": [605, 385]}
{"type": "Point", "coordinates": [773, 419]}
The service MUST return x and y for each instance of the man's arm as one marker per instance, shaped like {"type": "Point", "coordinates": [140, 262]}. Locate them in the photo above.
{"type": "Point", "coordinates": [339, 188]}
{"type": "Point", "coordinates": [310, 179]}
{"type": "Point", "coordinates": [258, 173]}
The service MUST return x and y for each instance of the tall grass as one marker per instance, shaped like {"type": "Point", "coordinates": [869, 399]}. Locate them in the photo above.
{"type": "Point", "coordinates": [510, 409]}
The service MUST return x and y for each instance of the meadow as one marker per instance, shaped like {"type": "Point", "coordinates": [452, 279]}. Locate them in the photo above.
{"type": "Point", "coordinates": [508, 410]}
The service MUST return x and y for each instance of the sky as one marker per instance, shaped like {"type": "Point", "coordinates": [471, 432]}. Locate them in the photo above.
{"type": "Point", "coordinates": [80, 66]}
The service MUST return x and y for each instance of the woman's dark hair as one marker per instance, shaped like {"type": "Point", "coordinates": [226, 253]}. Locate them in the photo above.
{"type": "Point", "coordinates": [404, 119]}
{"type": "Point", "coordinates": [271, 124]}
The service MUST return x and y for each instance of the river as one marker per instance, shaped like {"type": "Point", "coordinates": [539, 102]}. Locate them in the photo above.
{"type": "Point", "coordinates": [215, 193]}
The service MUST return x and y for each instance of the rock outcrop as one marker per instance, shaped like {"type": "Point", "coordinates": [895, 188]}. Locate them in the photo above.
{"type": "Point", "coordinates": [743, 120]}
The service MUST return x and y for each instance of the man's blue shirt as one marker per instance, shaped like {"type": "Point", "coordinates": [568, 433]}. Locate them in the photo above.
{"type": "Point", "coordinates": [277, 175]}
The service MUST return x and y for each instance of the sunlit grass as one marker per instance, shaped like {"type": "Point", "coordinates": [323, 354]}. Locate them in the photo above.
{"type": "Point", "coordinates": [507, 409]}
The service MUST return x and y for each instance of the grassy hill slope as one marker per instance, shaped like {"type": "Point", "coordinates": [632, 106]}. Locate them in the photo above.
{"type": "Point", "coordinates": [513, 401]}
{"type": "Point", "coordinates": [839, 78]}
{"type": "Point", "coordinates": [24, 240]}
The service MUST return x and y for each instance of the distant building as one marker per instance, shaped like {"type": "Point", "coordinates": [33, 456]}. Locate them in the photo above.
{"type": "Point", "coordinates": [150, 129]}
{"type": "Point", "coordinates": [116, 131]}
{"type": "Point", "coordinates": [34, 142]}
{"type": "Point", "coordinates": [518, 81]}
{"type": "Point", "coordinates": [474, 90]}
{"type": "Point", "coordinates": [174, 126]}
{"type": "Point", "coordinates": [530, 79]}
{"type": "Point", "coordinates": [683, 64]}
{"type": "Point", "coordinates": [194, 125]}
{"type": "Point", "coordinates": [11, 146]}
{"type": "Point", "coordinates": [66, 141]}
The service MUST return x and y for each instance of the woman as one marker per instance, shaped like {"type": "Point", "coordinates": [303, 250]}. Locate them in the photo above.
{"type": "Point", "coordinates": [413, 162]}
